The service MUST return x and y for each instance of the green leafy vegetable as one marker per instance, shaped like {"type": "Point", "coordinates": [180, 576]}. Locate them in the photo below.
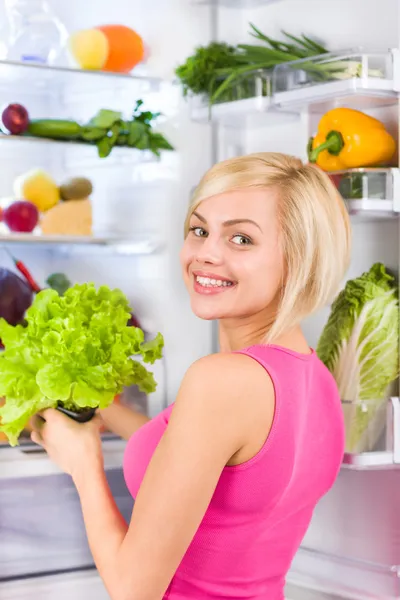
{"type": "Point", "coordinates": [360, 346]}
{"type": "Point", "coordinates": [107, 129]}
{"type": "Point", "coordinates": [226, 73]}
{"type": "Point", "coordinates": [198, 73]}
{"type": "Point", "coordinates": [59, 282]}
{"type": "Point", "coordinates": [75, 350]}
{"type": "Point", "coordinates": [106, 118]}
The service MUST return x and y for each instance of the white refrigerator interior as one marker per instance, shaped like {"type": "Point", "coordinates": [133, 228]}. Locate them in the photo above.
{"type": "Point", "coordinates": [352, 549]}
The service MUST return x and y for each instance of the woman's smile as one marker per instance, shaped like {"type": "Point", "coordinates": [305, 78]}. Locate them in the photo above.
{"type": "Point", "coordinates": [209, 283]}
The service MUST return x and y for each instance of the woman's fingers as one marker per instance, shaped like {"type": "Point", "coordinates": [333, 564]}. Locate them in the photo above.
{"type": "Point", "coordinates": [36, 438]}
{"type": "Point", "coordinates": [36, 422]}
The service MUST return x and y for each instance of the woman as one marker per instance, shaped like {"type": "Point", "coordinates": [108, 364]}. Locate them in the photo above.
{"type": "Point", "coordinates": [226, 479]}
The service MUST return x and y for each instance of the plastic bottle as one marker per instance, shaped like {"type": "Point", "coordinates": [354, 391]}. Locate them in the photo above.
{"type": "Point", "coordinates": [36, 35]}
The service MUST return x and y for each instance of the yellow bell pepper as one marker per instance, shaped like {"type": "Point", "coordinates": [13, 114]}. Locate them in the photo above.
{"type": "Point", "coordinates": [349, 139]}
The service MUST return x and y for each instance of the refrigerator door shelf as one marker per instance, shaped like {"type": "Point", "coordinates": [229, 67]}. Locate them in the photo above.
{"type": "Point", "coordinates": [372, 434]}
{"type": "Point", "coordinates": [247, 103]}
{"type": "Point", "coordinates": [340, 577]}
{"type": "Point", "coordinates": [350, 78]}
{"type": "Point", "coordinates": [370, 194]}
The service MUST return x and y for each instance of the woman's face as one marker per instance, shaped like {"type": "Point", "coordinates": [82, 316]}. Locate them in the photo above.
{"type": "Point", "coordinates": [232, 259]}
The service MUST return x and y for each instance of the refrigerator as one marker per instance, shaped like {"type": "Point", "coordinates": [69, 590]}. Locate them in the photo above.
{"type": "Point", "coordinates": [352, 548]}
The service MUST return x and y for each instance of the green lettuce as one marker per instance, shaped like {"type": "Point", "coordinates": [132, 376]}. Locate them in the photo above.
{"type": "Point", "coordinates": [75, 350]}
{"type": "Point", "coordinates": [360, 346]}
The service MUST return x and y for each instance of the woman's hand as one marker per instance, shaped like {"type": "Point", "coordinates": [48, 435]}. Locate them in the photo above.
{"type": "Point", "coordinates": [74, 447]}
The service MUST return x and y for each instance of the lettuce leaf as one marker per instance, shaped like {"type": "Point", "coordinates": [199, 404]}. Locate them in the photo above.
{"type": "Point", "coordinates": [76, 349]}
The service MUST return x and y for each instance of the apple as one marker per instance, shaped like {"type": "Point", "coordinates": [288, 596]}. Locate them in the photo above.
{"type": "Point", "coordinates": [21, 216]}
{"type": "Point", "coordinates": [15, 119]}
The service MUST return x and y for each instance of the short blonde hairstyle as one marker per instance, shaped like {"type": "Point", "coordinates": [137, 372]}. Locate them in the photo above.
{"type": "Point", "coordinates": [314, 226]}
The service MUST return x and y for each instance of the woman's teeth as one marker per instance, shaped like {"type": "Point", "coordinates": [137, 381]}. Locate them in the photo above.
{"type": "Point", "coordinates": [207, 282]}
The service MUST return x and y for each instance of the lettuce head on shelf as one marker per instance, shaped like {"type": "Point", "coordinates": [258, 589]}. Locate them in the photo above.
{"type": "Point", "coordinates": [360, 346]}
{"type": "Point", "coordinates": [75, 350]}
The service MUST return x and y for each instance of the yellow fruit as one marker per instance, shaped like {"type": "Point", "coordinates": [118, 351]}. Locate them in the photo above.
{"type": "Point", "coordinates": [68, 218]}
{"type": "Point", "coordinates": [37, 187]}
{"type": "Point", "coordinates": [89, 47]}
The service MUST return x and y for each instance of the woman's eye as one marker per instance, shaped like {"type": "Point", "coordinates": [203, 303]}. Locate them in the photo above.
{"type": "Point", "coordinates": [241, 240]}
{"type": "Point", "coordinates": [198, 231]}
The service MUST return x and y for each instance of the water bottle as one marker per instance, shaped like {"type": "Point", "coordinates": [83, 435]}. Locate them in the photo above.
{"type": "Point", "coordinates": [36, 35]}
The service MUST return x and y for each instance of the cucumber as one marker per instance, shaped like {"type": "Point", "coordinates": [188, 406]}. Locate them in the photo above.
{"type": "Point", "coordinates": [54, 128]}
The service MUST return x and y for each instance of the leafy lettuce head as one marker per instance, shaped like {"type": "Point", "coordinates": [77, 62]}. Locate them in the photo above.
{"type": "Point", "coordinates": [76, 350]}
{"type": "Point", "coordinates": [360, 342]}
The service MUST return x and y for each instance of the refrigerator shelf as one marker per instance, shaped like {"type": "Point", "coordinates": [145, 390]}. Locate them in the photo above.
{"type": "Point", "coordinates": [248, 102]}
{"type": "Point", "coordinates": [16, 463]}
{"type": "Point", "coordinates": [52, 79]}
{"type": "Point", "coordinates": [369, 193]}
{"type": "Point", "coordinates": [349, 78]}
{"type": "Point", "coordinates": [241, 4]}
{"type": "Point", "coordinates": [81, 155]}
{"type": "Point", "coordinates": [66, 243]}
{"type": "Point", "coordinates": [342, 577]}
{"type": "Point", "coordinates": [372, 434]}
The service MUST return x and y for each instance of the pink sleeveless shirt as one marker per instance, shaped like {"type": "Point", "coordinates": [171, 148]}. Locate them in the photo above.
{"type": "Point", "coordinates": [260, 509]}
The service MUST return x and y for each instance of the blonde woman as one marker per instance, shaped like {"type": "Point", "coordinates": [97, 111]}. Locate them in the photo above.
{"type": "Point", "coordinates": [226, 479]}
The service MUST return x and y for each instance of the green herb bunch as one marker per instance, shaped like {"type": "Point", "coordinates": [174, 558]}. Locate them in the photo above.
{"type": "Point", "coordinates": [223, 72]}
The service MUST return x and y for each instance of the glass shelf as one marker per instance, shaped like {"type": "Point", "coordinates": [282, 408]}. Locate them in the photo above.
{"type": "Point", "coordinates": [343, 577]}
{"type": "Point", "coordinates": [130, 246]}
{"type": "Point", "coordinates": [241, 4]}
{"type": "Point", "coordinates": [17, 463]}
{"type": "Point", "coordinates": [38, 77]}
{"type": "Point", "coordinates": [370, 193]}
{"type": "Point", "coordinates": [350, 78]}
{"type": "Point", "coordinates": [82, 155]}
{"type": "Point", "coordinates": [372, 434]}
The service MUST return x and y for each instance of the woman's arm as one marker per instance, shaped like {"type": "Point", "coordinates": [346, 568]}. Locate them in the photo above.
{"type": "Point", "coordinates": [213, 418]}
{"type": "Point", "coordinates": [122, 420]}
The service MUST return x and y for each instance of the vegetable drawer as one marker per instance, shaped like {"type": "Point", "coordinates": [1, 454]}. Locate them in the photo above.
{"type": "Point", "coordinates": [41, 527]}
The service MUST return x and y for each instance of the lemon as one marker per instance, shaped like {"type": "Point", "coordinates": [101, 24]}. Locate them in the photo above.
{"type": "Point", "coordinates": [37, 187]}
{"type": "Point", "coordinates": [89, 48]}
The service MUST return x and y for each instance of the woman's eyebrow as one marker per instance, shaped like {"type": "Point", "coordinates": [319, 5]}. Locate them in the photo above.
{"type": "Point", "coordinates": [238, 221]}
{"type": "Point", "coordinates": [228, 223]}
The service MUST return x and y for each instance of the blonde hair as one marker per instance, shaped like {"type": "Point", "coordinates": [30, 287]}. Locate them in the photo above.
{"type": "Point", "coordinates": [314, 224]}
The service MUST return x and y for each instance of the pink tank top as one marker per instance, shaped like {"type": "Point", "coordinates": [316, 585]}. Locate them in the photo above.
{"type": "Point", "coordinates": [260, 509]}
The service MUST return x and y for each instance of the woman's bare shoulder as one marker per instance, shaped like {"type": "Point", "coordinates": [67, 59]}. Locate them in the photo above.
{"type": "Point", "coordinates": [225, 382]}
{"type": "Point", "coordinates": [225, 367]}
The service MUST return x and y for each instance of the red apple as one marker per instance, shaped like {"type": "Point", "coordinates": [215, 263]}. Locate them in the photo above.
{"type": "Point", "coordinates": [21, 216]}
{"type": "Point", "coordinates": [15, 119]}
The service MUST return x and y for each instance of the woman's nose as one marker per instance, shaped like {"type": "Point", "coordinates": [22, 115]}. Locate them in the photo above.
{"type": "Point", "coordinates": [209, 251]}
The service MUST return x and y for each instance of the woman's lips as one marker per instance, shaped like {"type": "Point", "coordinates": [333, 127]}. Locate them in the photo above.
{"type": "Point", "coordinates": [210, 284]}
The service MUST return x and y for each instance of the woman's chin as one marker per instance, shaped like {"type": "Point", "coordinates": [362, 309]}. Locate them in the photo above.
{"type": "Point", "coordinates": [202, 311]}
